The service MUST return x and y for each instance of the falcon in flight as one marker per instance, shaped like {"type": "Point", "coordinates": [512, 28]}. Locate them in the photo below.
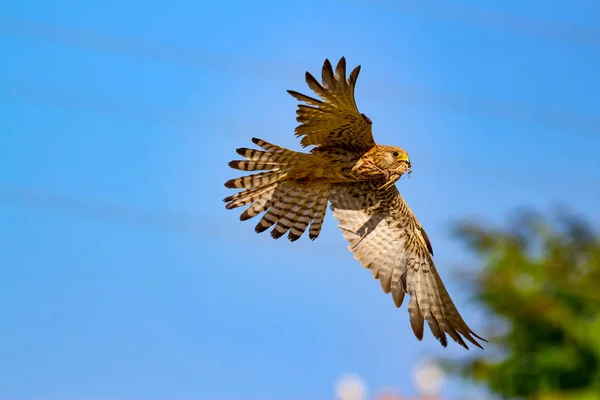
{"type": "Point", "coordinates": [357, 176]}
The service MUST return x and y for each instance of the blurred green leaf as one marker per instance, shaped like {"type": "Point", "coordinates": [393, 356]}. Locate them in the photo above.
{"type": "Point", "coordinates": [541, 278]}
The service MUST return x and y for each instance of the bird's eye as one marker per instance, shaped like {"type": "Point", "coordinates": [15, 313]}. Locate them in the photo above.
{"type": "Point", "coordinates": [395, 154]}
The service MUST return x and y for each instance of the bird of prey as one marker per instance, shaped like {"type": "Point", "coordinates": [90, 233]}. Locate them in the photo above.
{"type": "Point", "coordinates": [357, 176]}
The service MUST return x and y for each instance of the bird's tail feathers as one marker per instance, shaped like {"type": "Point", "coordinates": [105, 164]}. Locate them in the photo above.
{"type": "Point", "coordinates": [289, 206]}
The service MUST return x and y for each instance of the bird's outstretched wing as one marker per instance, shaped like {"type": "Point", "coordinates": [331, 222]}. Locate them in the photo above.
{"type": "Point", "coordinates": [333, 122]}
{"type": "Point", "coordinates": [386, 238]}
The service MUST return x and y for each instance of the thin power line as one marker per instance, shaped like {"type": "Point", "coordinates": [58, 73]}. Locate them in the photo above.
{"type": "Point", "coordinates": [151, 50]}
{"type": "Point", "coordinates": [192, 58]}
{"type": "Point", "coordinates": [509, 111]}
{"type": "Point", "coordinates": [60, 204]}
{"type": "Point", "coordinates": [172, 223]}
{"type": "Point", "coordinates": [131, 215]}
{"type": "Point", "coordinates": [175, 120]}
{"type": "Point", "coordinates": [48, 96]}
{"type": "Point", "coordinates": [577, 124]}
{"type": "Point", "coordinates": [178, 121]}
{"type": "Point", "coordinates": [31, 198]}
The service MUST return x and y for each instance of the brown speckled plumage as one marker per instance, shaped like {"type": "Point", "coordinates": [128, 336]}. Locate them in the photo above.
{"type": "Point", "coordinates": [349, 170]}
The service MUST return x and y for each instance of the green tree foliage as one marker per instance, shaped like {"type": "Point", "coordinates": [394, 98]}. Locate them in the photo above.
{"type": "Point", "coordinates": [540, 282]}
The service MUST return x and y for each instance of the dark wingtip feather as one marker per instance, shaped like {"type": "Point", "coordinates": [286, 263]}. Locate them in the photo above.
{"type": "Point", "coordinates": [259, 228]}
{"type": "Point", "coordinates": [244, 216]}
{"type": "Point", "coordinates": [230, 184]}
{"type": "Point", "coordinates": [327, 75]}
{"type": "Point", "coordinates": [477, 344]}
{"type": "Point", "coordinates": [302, 97]}
{"type": "Point", "coordinates": [462, 343]}
{"type": "Point", "coordinates": [256, 140]}
{"type": "Point", "coordinates": [310, 79]}
{"type": "Point", "coordinates": [437, 330]}
{"type": "Point", "coordinates": [354, 76]}
{"type": "Point", "coordinates": [456, 336]}
{"type": "Point", "coordinates": [230, 206]}
{"type": "Point", "coordinates": [398, 298]}
{"type": "Point", "coordinates": [242, 151]}
{"type": "Point", "coordinates": [443, 339]}
{"type": "Point", "coordinates": [479, 337]}
{"type": "Point", "coordinates": [417, 325]}
{"type": "Point", "coordinates": [341, 64]}
{"type": "Point", "coordinates": [468, 336]}
{"type": "Point", "coordinates": [275, 234]}
{"type": "Point", "coordinates": [470, 339]}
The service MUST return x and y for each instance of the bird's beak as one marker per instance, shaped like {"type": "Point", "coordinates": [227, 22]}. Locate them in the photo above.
{"type": "Point", "coordinates": [408, 169]}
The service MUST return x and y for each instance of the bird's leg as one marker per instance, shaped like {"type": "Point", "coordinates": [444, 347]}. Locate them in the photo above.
{"type": "Point", "coordinates": [384, 172]}
{"type": "Point", "coordinates": [391, 179]}
{"type": "Point", "coordinates": [367, 166]}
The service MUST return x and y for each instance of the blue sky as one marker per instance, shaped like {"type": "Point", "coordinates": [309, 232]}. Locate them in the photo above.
{"type": "Point", "coordinates": [123, 276]}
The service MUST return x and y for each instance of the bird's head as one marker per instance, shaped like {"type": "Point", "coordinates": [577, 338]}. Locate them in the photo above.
{"type": "Point", "coordinates": [394, 159]}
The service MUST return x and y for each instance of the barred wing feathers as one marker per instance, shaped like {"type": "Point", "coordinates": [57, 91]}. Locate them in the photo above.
{"type": "Point", "coordinates": [288, 207]}
{"type": "Point", "coordinates": [333, 122]}
{"type": "Point", "coordinates": [386, 238]}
